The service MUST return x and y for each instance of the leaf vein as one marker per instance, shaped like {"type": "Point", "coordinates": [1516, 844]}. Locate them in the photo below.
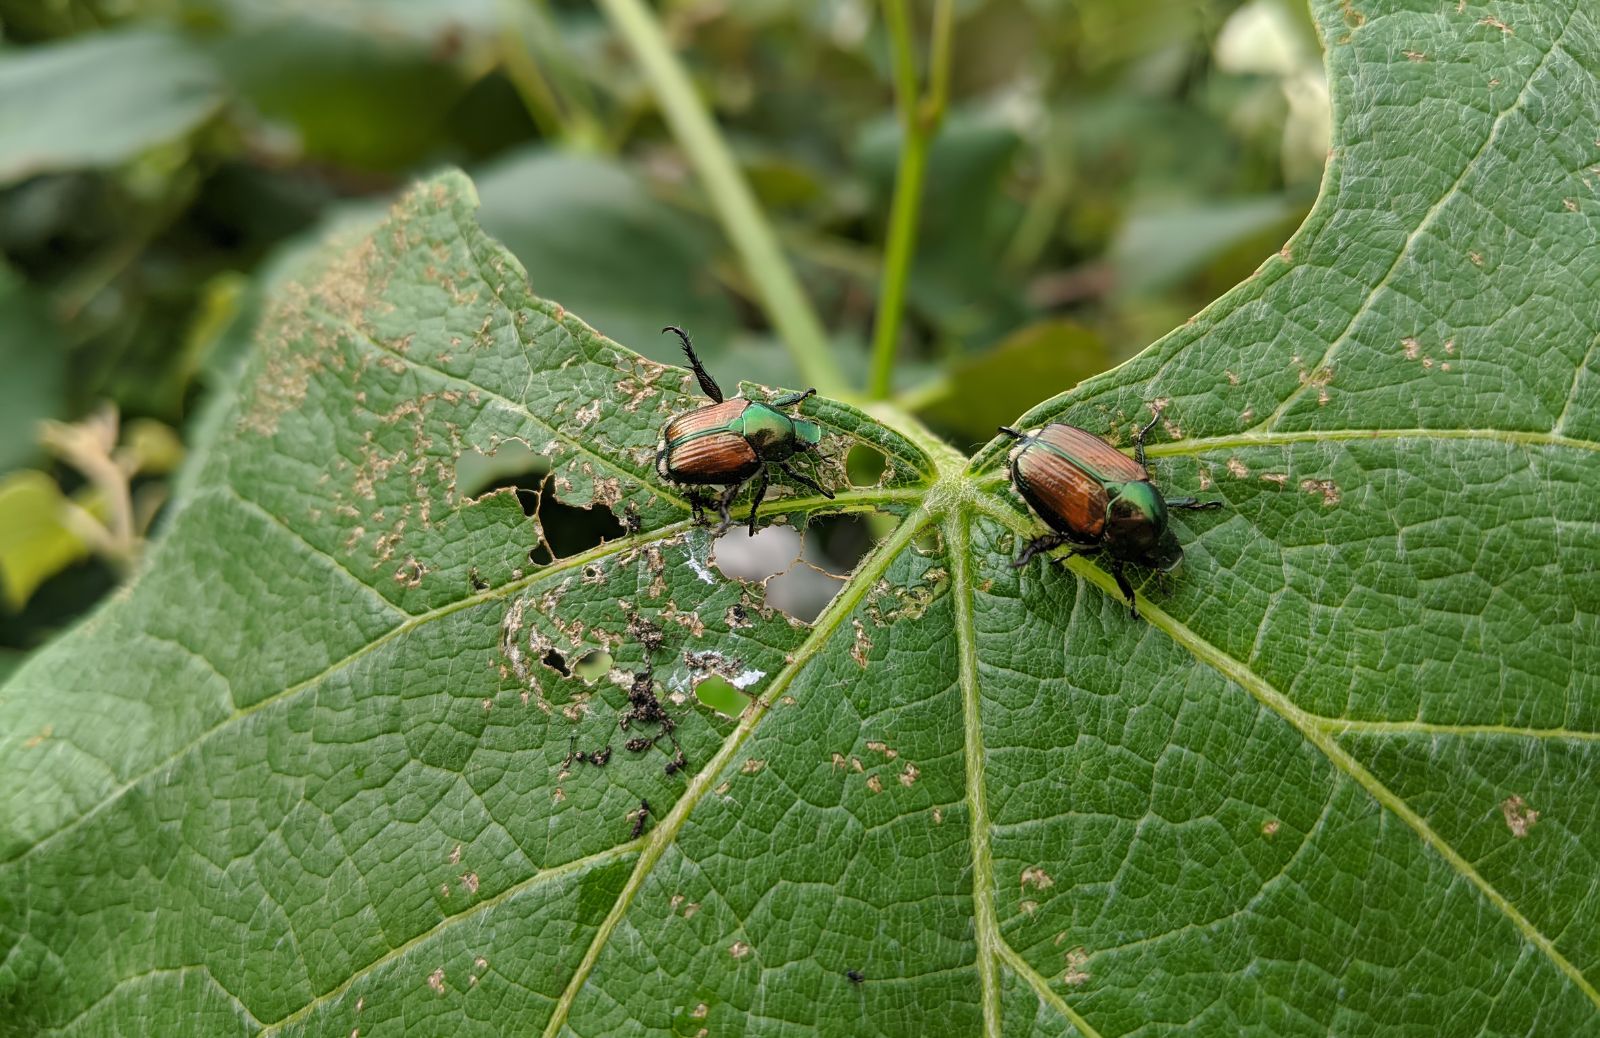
{"type": "Point", "coordinates": [508, 894]}
{"type": "Point", "coordinates": [664, 834]}
{"type": "Point", "coordinates": [1273, 438]}
{"type": "Point", "coordinates": [176, 971]}
{"type": "Point", "coordinates": [1041, 987]}
{"type": "Point", "coordinates": [1577, 379]}
{"type": "Point", "coordinates": [1338, 726]}
{"type": "Point", "coordinates": [988, 941]}
{"type": "Point", "coordinates": [279, 523]}
{"type": "Point", "coordinates": [514, 407]}
{"type": "Point", "coordinates": [1423, 225]}
{"type": "Point", "coordinates": [1314, 730]}
{"type": "Point", "coordinates": [558, 568]}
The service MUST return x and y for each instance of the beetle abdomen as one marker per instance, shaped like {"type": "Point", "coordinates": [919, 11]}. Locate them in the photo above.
{"type": "Point", "coordinates": [701, 420]}
{"type": "Point", "coordinates": [698, 447]}
{"type": "Point", "coordinates": [1069, 499]}
{"type": "Point", "coordinates": [1063, 473]}
{"type": "Point", "coordinates": [718, 457]}
{"type": "Point", "coordinates": [1092, 454]}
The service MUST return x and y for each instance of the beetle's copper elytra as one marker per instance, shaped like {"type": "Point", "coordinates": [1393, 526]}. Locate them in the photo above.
{"type": "Point", "coordinates": [727, 442]}
{"type": "Point", "coordinates": [1096, 499]}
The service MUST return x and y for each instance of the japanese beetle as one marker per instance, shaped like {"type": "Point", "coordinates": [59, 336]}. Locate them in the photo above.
{"type": "Point", "coordinates": [1095, 498]}
{"type": "Point", "coordinates": [727, 442]}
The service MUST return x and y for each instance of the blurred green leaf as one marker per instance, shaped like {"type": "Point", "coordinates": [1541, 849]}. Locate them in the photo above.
{"type": "Point", "coordinates": [958, 280]}
{"type": "Point", "coordinates": [1161, 244]}
{"type": "Point", "coordinates": [99, 100]}
{"type": "Point", "coordinates": [416, 21]}
{"type": "Point", "coordinates": [33, 358]}
{"type": "Point", "coordinates": [982, 391]}
{"type": "Point", "coordinates": [372, 102]}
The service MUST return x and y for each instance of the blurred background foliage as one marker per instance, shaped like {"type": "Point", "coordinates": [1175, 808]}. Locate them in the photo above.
{"type": "Point", "coordinates": [1104, 169]}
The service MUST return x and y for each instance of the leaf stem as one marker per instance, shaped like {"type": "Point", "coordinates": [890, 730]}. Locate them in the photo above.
{"type": "Point", "coordinates": [919, 124]}
{"type": "Point", "coordinates": [533, 57]}
{"type": "Point", "coordinates": [537, 97]}
{"type": "Point", "coordinates": [779, 289]}
{"type": "Point", "coordinates": [542, 33]}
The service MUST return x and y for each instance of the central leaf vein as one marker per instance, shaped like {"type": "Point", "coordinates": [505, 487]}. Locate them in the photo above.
{"type": "Point", "coordinates": [988, 941]}
{"type": "Point", "coordinates": [664, 834]}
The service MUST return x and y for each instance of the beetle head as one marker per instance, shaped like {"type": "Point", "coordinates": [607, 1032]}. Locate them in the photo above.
{"type": "Point", "coordinates": [1168, 552]}
{"type": "Point", "coordinates": [807, 434]}
{"type": "Point", "coordinates": [1136, 519]}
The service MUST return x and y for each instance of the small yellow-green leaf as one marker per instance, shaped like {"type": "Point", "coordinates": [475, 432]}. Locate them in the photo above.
{"type": "Point", "coordinates": [35, 542]}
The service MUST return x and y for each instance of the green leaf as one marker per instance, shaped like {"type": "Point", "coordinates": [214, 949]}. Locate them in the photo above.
{"type": "Point", "coordinates": [965, 217]}
{"type": "Point", "coordinates": [315, 771]}
{"type": "Point", "coordinates": [345, 94]}
{"type": "Point", "coordinates": [1165, 243]}
{"type": "Point", "coordinates": [33, 354]}
{"type": "Point", "coordinates": [100, 100]}
{"type": "Point", "coordinates": [977, 393]}
{"type": "Point", "coordinates": [418, 21]}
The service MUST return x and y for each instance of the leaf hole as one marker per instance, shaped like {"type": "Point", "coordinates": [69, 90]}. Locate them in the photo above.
{"type": "Point", "coordinates": [837, 543]}
{"type": "Point", "coordinates": [772, 550]}
{"type": "Point", "coordinates": [803, 592]}
{"type": "Point", "coordinates": [569, 530]}
{"type": "Point", "coordinates": [719, 694]}
{"type": "Point", "coordinates": [511, 465]}
{"type": "Point", "coordinates": [556, 662]}
{"type": "Point", "coordinates": [802, 569]}
{"type": "Point", "coordinates": [864, 465]}
{"type": "Point", "coordinates": [832, 547]}
{"type": "Point", "coordinates": [593, 665]}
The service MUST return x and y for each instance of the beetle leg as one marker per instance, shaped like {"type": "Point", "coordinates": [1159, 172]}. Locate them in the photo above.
{"type": "Point", "coordinates": [805, 480]}
{"type": "Point", "coordinates": [792, 398]}
{"type": "Point", "coordinates": [1125, 587]}
{"type": "Point", "coordinates": [708, 385]}
{"type": "Point", "coordinates": [1192, 504]}
{"type": "Point", "coordinates": [1037, 545]}
{"type": "Point", "coordinates": [722, 506]}
{"type": "Point", "coordinates": [755, 499]}
{"type": "Point", "coordinates": [1051, 541]}
{"type": "Point", "coordinates": [697, 507]}
{"type": "Point", "coordinates": [1138, 439]}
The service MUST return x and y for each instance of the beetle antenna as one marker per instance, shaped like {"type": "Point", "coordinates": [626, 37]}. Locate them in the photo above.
{"type": "Point", "coordinates": [1155, 417]}
{"type": "Point", "coordinates": [708, 385]}
{"type": "Point", "coordinates": [1011, 432]}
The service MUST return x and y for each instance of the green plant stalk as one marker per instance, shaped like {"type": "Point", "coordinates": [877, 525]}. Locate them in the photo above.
{"type": "Point", "coordinates": [919, 120]}
{"type": "Point", "coordinates": [530, 86]}
{"type": "Point", "coordinates": [902, 245]}
{"type": "Point", "coordinates": [1042, 215]}
{"type": "Point", "coordinates": [542, 75]}
{"type": "Point", "coordinates": [777, 286]}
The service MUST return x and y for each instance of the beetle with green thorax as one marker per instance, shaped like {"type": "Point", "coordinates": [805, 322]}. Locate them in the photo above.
{"type": "Point", "coordinates": [1094, 498]}
{"type": "Point", "coordinates": [727, 442]}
